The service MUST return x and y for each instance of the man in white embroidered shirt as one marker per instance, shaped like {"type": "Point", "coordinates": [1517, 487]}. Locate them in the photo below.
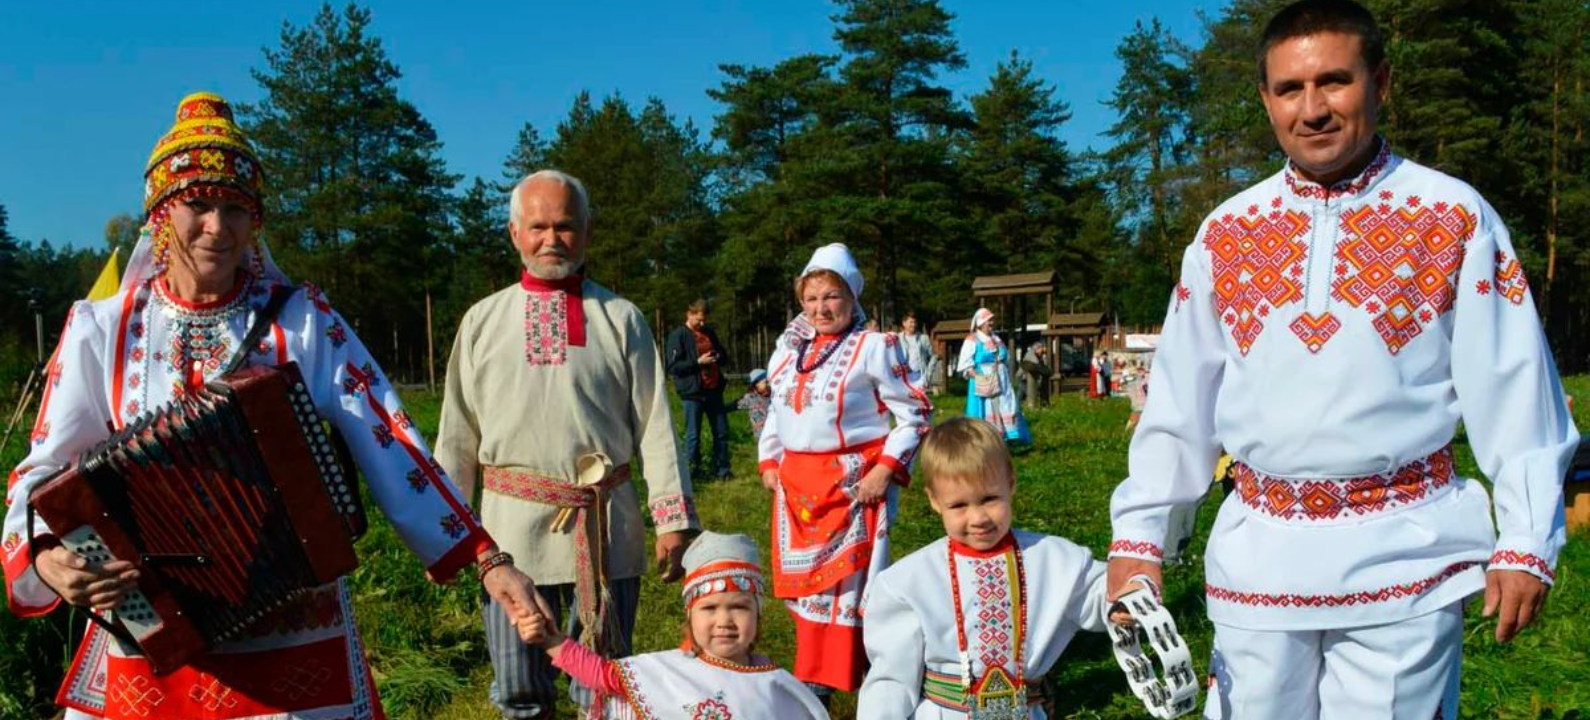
{"type": "Point", "coordinates": [1332, 325]}
{"type": "Point", "coordinates": [554, 385]}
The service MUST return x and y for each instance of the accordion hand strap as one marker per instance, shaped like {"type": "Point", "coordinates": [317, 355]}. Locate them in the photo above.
{"type": "Point", "coordinates": [36, 546]}
{"type": "Point", "coordinates": [262, 322]}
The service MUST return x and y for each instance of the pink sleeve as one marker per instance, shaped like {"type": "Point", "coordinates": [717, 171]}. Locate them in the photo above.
{"type": "Point", "coordinates": [591, 669]}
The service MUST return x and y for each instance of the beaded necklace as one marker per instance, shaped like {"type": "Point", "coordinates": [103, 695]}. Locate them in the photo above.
{"type": "Point", "coordinates": [1011, 704]}
{"type": "Point", "coordinates": [822, 355]}
{"type": "Point", "coordinates": [715, 661]}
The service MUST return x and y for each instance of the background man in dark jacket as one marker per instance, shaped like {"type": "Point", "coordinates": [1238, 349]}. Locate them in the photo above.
{"type": "Point", "coordinates": [692, 354]}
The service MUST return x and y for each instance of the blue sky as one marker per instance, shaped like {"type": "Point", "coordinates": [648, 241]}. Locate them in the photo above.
{"type": "Point", "coordinates": [87, 87]}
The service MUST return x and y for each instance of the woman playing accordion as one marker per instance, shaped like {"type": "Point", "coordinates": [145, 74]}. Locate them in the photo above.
{"type": "Point", "coordinates": [194, 286]}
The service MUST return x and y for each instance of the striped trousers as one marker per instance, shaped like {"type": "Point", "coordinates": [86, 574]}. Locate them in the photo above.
{"type": "Point", "coordinates": [523, 683]}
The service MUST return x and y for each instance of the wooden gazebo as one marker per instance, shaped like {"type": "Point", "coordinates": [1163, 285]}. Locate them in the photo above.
{"type": "Point", "coordinates": [1077, 333]}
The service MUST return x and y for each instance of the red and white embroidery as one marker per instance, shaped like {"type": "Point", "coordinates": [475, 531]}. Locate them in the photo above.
{"type": "Point", "coordinates": [1400, 264]}
{"type": "Point", "coordinates": [1343, 498]}
{"type": "Point", "coordinates": [1182, 295]}
{"type": "Point", "coordinates": [1306, 189]}
{"type": "Point", "coordinates": [1294, 600]}
{"type": "Point", "coordinates": [672, 510]}
{"type": "Point", "coordinates": [1510, 557]}
{"type": "Point", "coordinates": [994, 629]}
{"type": "Point", "coordinates": [1510, 280]}
{"type": "Point", "coordinates": [1256, 264]}
{"type": "Point", "coordinates": [1134, 547]}
{"type": "Point", "coordinates": [546, 327]}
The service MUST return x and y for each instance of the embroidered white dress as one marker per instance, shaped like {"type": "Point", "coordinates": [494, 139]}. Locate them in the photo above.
{"type": "Point", "coordinates": [1331, 339]}
{"type": "Point", "coordinates": [676, 685]}
{"type": "Point", "coordinates": [911, 635]}
{"type": "Point", "coordinates": [140, 349]}
{"type": "Point", "coordinates": [828, 426]}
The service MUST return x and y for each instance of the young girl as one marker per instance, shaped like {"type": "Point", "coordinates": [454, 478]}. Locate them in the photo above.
{"type": "Point", "coordinates": [714, 673]}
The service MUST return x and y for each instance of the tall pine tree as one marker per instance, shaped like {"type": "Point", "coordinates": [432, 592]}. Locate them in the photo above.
{"type": "Point", "coordinates": [359, 193]}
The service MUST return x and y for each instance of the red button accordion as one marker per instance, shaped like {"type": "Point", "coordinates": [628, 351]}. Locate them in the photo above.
{"type": "Point", "coordinates": [231, 502]}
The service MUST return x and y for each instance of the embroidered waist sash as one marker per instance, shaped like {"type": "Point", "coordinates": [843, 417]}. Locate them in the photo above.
{"type": "Point", "coordinates": [945, 690]}
{"type": "Point", "coordinates": [1317, 501]}
{"type": "Point", "coordinates": [584, 512]}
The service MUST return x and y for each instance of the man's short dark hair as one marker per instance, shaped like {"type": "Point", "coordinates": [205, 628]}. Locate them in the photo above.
{"type": "Point", "coordinates": [1313, 17]}
{"type": "Point", "coordinates": [699, 305]}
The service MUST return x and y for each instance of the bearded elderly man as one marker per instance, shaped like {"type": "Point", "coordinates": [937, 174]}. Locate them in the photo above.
{"type": "Point", "coordinates": [553, 386]}
{"type": "Point", "coordinates": [1332, 325]}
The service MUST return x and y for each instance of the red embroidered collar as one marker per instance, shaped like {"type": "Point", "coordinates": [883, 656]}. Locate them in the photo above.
{"type": "Point", "coordinates": [1352, 186]}
{"type": "Point", "coordinates": [1005, 543]}
{"type": "Point", "coordinates": [573, 288]}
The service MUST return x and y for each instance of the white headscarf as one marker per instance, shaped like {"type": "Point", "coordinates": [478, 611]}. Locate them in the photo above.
{"type": "Point", "coordinates": [977, 335]}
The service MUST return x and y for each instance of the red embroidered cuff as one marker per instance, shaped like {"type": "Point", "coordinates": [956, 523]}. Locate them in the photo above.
{"type": "Point", "coordinates": [1532, 564]}
{"type": "Point", "coordinates": [902, 473]}
{"type": "Point", "coordinates": [673, 513]}
{"type": "Point", "coordinates": [462, 555]}
{"type": "Point", "coordinates": [1142, 550]}
{"type": "Point", "coordinates": [767, 465]}
{"type": "Point", "coordinates": [18, 560]}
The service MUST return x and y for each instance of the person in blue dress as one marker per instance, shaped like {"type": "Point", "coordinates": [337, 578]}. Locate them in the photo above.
{"type": "Point", "coordinates": [984, 362]}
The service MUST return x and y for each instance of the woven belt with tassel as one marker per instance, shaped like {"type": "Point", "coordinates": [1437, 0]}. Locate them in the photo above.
{"type": "Point", "coordinates": [583, 511]}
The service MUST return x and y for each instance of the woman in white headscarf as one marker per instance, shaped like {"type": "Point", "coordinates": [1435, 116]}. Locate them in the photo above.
{"type": "Point", "coordinates": [989, 394]}
{"type": "Point", "coordinates": [834, 464]}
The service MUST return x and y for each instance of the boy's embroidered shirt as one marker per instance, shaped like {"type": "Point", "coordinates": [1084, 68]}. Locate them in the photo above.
{"type": "Point", "coordinates": [911, 622]}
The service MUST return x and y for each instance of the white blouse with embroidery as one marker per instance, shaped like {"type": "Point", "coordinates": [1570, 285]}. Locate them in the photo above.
{"type": "Point", "coordinates": [1331, 339]}
{"type": "Point", "coordinates": [137, 350]}
{"type": "Point", "coordinates": [846, 401]}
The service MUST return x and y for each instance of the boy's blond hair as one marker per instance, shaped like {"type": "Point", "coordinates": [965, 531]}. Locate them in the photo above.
{"type": "Point", "coordinates": [964, 448]}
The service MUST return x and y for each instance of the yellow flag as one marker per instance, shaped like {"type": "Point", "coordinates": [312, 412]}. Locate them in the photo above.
{"type": "Point", "coordinates": [109, 279]}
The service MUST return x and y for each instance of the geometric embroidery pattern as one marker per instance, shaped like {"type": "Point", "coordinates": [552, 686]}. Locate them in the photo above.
{"type": "Point", "coordinates": [1510, 281]}
{"type": "Point", "coordinates": [1315, 330]}
{"type": "Point", "coordinates": [136, 696]}
{"type": "Point", "coordinates": [1136, 548]}
{"type": "Point", "coordinates": [1320, 500]}
{"type": "Point", "coordinates": [210, 693]}
{"type": "Point", "coordinates": [302, 681]}
{"type": "Point", "coordinates": [1510, 557]}
{"type": "Point", "coordinates": [1293, 600]}
{"type": "Point", "coordinates": [546, 327]}
{"type": "Point", "coordinates": [994, 628]}
{"type": "Point", "coordinates": [1400, 264]}
{"type": "Point", "coordinates": [1257, 267]}
{"type": "Point", "coordinates": [1306, 189]}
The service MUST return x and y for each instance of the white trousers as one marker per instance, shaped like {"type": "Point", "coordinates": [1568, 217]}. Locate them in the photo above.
{"type": "Point", "coordinates": [1407, 670]}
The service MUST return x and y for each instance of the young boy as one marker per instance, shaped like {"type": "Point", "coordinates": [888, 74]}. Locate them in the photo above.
{"type": "Point", "coordinates": [971, 622]}
{"type": "Point", "coordinates": [715, 673]}
{"type": "Point", "coordinates": [756, 400]}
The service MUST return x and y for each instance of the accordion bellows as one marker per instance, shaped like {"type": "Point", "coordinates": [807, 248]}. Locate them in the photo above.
{"type": "Point", "coordinates": [231, 502]}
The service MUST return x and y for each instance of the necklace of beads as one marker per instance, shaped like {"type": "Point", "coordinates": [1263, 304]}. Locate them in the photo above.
{"type": "Point", "coordinates": [715, 661]}
{"type": "Point", "coordinates": [822, 355]}
{"type": "Point", "coordinates": [1020, 606]}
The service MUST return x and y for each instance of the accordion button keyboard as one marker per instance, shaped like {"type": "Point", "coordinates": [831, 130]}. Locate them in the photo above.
{"type": "Point", "coordinates": [134, 610]}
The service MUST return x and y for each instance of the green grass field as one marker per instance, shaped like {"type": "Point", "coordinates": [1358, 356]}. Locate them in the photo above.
{"type": "Point", "coordinates": [427, 647]}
